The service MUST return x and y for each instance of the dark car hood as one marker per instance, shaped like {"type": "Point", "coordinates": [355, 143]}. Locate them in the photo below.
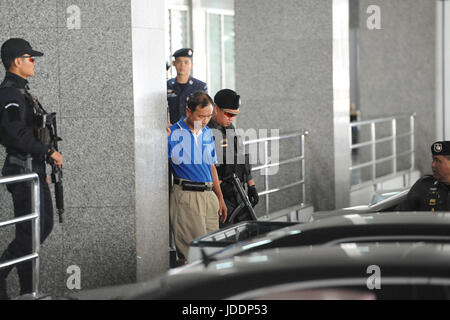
{"type": "Point", "coordinates": [228, 277]}
{"type": "Point", "coordinates": [411, 225]}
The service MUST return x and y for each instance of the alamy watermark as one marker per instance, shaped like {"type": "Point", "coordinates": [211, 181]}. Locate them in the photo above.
{"type": "Point", "coordinates": [374, 20]}
{"type": "Point", "coordinates": [74, 280]}
{"type": "Point", "coordinates": [374, 280]}
{"type": "Point", "coordinates": [74, 17]}
{"type": "Point", "coordinates": [265, 151]}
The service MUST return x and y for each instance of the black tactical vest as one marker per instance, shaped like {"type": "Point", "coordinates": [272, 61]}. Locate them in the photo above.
{"type": "Point", "coordinates": [35, 115]}
{"type": "Point", "coordinates": [238, 161]}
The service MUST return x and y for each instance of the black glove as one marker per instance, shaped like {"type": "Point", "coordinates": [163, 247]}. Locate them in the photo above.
{"type": "Point", "coordinates": [253, 195]}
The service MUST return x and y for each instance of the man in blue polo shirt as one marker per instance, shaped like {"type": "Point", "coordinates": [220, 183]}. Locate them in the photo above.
{"type": "Point", "coordinates": [196, 200]}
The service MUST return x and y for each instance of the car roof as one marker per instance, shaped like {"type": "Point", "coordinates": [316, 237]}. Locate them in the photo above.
{"type": "Point", "coordinates": [227, 277]}
{"type": "Point", "coordinates": [417, 225]}
{"type": "Point", "coordinates": [428, 262]}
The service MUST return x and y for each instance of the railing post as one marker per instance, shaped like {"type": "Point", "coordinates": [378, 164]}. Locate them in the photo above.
{"type": "Point", "coordinates": [394, 145]}
{"type": "Point", "coordinates": [395, 152]}
{"type": "Point", "coordinates": [267, 163]}
{"type": "Point", "coordinates": [36, 233]}
{"type": "Point", "coordinates": [33, 179]}
{"type": "Point", "coordinates": [350, 137]}
{"type": "Point", "coordinates": [303, 170]}
{"type": "Point", "coordinates": [412, 127]}
{"type": "Point", "coordinates": [374, 152]}
{"type": "Point", "coordinates": [266, 176]}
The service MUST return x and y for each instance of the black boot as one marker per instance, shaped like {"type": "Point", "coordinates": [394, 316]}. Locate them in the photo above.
{"type": "Point", "coordinates": [24, 271]}
{"type": "Point", "coordinates": [3, 292]}
{"type": "Point", "coordinates": [6, 256]}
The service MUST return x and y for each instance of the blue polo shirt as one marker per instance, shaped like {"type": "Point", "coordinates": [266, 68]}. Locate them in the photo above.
{"type": "Point", "coordinates": [191, 156]}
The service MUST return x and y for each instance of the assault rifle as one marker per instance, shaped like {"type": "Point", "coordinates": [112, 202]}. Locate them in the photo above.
{"type": "Point", "coordinates": [245, 202]}
{"type": "Point", "coordinates": [57, 174]}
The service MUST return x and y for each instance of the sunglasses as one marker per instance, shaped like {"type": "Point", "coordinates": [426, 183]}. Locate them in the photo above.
{"type": "Point", "coordinates": [30, 58]}
{"type": "Point", "coordinates": [229, 115]}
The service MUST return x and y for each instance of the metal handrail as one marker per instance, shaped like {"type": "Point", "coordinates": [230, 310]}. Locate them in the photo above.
{"type": "Point", "coordinates": [265, 167]}
{"type": "Point", "coordinates": [368, 143]}
{"type": "Point", "coordinates": [34, 217]}
{"type": "Point", "coordinates": [373, 143]}
{"type": "Point", "coordinates": [386, 119]}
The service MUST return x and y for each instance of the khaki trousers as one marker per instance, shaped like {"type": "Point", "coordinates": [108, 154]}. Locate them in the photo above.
{"type": "Point", "coordinates": [192, 215]}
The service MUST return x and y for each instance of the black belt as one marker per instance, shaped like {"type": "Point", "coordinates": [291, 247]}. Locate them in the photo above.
{"type": "Point", "coordinates": [193, 185]}
{"type": "Point", "coordinates": [23, 163]}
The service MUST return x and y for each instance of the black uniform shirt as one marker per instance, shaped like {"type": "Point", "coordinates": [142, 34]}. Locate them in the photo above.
{"type": "Point", "coordinates": [16, 121]}
{"type": "Point", "coordinates": [228, 134]}
{"type": "Point", "coordinates": [427, 194]}
{"type": "Point", "coordinates": [177, 96]}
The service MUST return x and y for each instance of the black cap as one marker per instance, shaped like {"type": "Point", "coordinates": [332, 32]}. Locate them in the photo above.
{"type": "Point", "coordinates": [16, 47]}
{"type": "Point", "coordinates": [185, 52]}
{"type": "Point", "coordinates": [227, 99]}
{"type": "Point", "coordinates": [441, 148]}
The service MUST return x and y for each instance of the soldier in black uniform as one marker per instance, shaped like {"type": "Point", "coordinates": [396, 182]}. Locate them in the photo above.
{"type": "Point", "coordinates": [27, 148]}
{"type": "Point", "coordinates": [225, 111]}
{"type": "Point", "coordinates": [431, 192]}
{"type": "Point", "coordinates": [183, 85]}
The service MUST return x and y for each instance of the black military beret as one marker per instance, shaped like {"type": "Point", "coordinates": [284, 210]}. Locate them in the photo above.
{"type": "Point", "coordinates": [441, 148]}
{"type": "Point", "coordinates": [16, 47]}
{"type": "Point", "coordinates": [185, 52]}
{"type": "Point", "coordinates": [227, 99]}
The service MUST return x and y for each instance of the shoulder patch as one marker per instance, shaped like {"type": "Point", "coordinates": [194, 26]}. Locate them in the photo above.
{"type": "Point", "coordinates": [11, 105]}
{"type": "Point", "coordinates": [13, 114]}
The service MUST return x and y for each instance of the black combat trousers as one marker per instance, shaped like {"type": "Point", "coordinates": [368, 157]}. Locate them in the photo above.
{"type": "Point", "coordinates": [22, 243]}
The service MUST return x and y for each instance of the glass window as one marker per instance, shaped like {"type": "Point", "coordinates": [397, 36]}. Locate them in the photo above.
{"type": "Point", "coordinates": [178, 37]}
{"type": "Point", "coordinates": [221, 72]}
{"type": "Point", "coordinates": [214, 53]}
{"type": "Point", "coordinates": [229, 52]}
{"type": "Point", "coordinates": [213, 40]}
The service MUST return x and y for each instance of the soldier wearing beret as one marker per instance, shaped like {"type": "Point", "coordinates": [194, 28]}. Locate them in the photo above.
{"type": "Point", "coordinates": [431, 192]}
{"type": "Point", "coordinates": [226, 110]}
{"type": "Point", "coordinates": [27, 149]}
{"type": "Point", "coordinates": [183, 85]}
